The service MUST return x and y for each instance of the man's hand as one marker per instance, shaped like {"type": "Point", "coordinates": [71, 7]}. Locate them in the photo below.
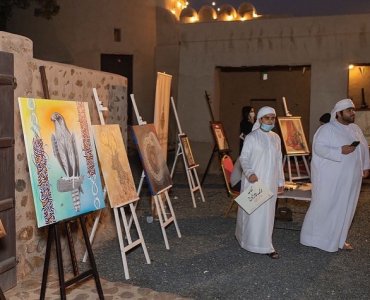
{"type": "Point", "coordinates": [347, 149]}
{"type": "Point", "coordinates": [280, 189]}
{"type": "Point", "coordinates": [253, 178]}
{"type": "Point", "coordinates": [365, 173]}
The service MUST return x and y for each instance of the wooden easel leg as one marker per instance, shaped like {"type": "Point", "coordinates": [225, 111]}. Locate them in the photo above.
{"type": "Point", "coordinates": [58, 247]}
{"type": "Point", "coordinates": [67, 226]}
{"type": "Point", "coordinates": [198, 184]}
{"type": "Point", "coordinates": [159, 212]}
{"type": "Point", "coordinates": [209, 164]}
{"type": "Point", "coordinates": [140, 234]}
{"type": "Point", "coordinates": [121, 243]}
{"type": "Point", "coordinates": [191, 185]}
{"type": "Point", "coordinates": [172, 213]}
{"type": "Point", "coordinates": [46, 262]}
{"type": "Point", "coordinates": [91, 258]}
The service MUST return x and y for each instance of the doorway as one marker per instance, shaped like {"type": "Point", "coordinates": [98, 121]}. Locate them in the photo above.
{"type": "Point", "coordinates": [259, 86]}
{"type": "Point", "coordinates": [120, 64]}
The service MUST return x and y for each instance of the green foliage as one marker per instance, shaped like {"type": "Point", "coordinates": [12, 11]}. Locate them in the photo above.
{"type": "Point", "coordinates": [43, 8]}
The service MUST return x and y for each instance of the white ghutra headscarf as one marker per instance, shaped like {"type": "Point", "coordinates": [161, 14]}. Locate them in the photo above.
{"type": "Point", "coordinates": [339, 106]}
{"type": "Point", "coordinates": [262, 112]}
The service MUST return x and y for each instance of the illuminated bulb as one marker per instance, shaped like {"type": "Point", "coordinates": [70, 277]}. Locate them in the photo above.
{"type": "Point", "coordinates": [218, 9]}
{"type": "Point", "coordinates": [350, 67]}
{"type": "Point", "coordinates": [213, 3]}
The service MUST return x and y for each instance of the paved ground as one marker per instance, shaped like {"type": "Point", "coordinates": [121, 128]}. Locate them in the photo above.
{"type": "Point", "coordinates": [207, 262]}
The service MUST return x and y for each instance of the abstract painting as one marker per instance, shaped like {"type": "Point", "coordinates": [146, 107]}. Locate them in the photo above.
{"type": "Point", "coordinates": [151, 154]}
{"type": "Point", "coordinates": [115, 165]}
{"type": "Point", "coordinates": [292, 135]}
{"type": "Point", "coordinates": [61, 157]}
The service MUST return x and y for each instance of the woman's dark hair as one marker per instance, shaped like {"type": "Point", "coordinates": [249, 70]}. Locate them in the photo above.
{"type": "Point", "coordinates": [245, 111]}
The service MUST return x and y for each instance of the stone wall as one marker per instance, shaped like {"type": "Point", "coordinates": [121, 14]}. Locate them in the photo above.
{"type": "Point", "coordinates": [64, 82]}
{"type": "Point", "coordinates": [326, 44]}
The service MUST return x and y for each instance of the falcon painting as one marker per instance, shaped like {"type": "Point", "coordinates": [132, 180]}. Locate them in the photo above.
{"type": "Point", "coordinates": [65, 150]}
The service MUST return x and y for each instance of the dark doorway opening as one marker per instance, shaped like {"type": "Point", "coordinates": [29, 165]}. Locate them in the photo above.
{"type": "Point", "coordinates": [259, 86]}
{"type": "Point", "coordinates": [120, 64]}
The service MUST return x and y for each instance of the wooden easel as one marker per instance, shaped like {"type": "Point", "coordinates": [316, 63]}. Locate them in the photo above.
{"type": "Point", "coordinates": [215, 148]}
{"type": "Point", "coordinates": [120, 216]}
{"type": "Point", "coordinates": [288, 157]}
{"type": "Point", "coordinates": [54, 234]}
{"type": "Point", "coordinates": [191, 172]}
{"type": "Point", "coordinates": [161, 203]}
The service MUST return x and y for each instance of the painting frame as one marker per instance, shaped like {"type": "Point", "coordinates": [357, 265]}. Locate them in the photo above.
{"type": "Point", "coordinates": [219, 136]}
{"type": "Point", "coordinates": [188, 153]}
{"type": "Point", "coordinates": [292, 135]}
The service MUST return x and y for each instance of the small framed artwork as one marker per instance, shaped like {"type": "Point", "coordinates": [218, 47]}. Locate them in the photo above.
{"type": "Point", "coordinates": [220, 137]}
{"type": "Point", "coordinates": [292, 135]}
{"type": "Point", "coordinates": [187, 150]}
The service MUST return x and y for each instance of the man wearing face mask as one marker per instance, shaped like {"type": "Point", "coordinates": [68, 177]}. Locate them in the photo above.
{"type": "Point", "coordinates": [261, 160]}
{"type": "Point", "coordinates": [246, 124]}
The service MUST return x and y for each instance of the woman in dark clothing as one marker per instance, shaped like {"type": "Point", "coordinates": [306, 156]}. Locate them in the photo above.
{"type": "Point", "coordinates": [246, 124]}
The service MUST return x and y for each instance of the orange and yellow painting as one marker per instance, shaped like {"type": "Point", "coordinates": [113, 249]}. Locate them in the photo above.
{"type": "Point", "coordinates": [292, 135]}
{"type": "Point", "coordinates": [114, 165]}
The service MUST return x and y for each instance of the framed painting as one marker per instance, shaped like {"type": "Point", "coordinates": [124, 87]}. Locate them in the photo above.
{"type": "Point", "coordinates": [185, 144]}
{"type": "Point", "coordinates": [219, 136]}
{"type": "Point", "coordinates": [62, 161]}
{"type": "Point", "coordinates": [362, 119]}
{"type": "Point", "coordinates": [152, 158]}
{"type": "Point", "coordinates": [114, 165]}
{"type": "Point", "coordinates": [293, 136]}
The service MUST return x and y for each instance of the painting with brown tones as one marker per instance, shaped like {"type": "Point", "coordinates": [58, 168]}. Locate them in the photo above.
{"type": "Point", "coordinates": [114, 165]}
{"type": "Point", "coordinates": [162, 109]}
{"type": "Point", "coordinates": [292, 135]}
{"type": "Point", "coordinates": [151, 155]}
{"type": "Point", "coordinates": [187, 150]}
{"type": "Point", "coordinates": [219, 136]}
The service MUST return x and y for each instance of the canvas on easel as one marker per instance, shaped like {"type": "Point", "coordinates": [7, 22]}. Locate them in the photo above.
{"type": "Point", "coordinates": [115, 165]}
{"type": "Point", "coordinates": [162, 109]}
{"type": "Point", "coordinates": [157, 174]}
{"type": "Point", "coordinates": [119, 185]}
{"type": "Point", "coordinates": [151, 155]}
{"type": "Point", "coordinates": [184, 150]}
{"type": "Point", "coordinates": [63, 166]}
{"type": "Point", "coordinates": [292, 134]}
{"type": "Point", "coordinates": [187, 150]}
{"type": "Point", "coordinates": [220, 136]}
{"type": "Point", "coordinates": [295, 145]}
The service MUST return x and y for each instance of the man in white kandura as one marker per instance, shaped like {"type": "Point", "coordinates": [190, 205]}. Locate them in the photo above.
{"type": "Point", "coordinates": [337, 168]}
{"type": "Point", "coordinates": [261, 160]}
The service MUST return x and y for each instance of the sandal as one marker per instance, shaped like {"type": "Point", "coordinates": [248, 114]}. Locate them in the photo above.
{"type": "Point", "coordinates": [347, 246]}
{"type": "Point", "coordinates": [273, 255]}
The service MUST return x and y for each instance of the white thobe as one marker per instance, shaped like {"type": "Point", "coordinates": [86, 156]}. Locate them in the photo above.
{"type": "Point", "coordinates": [261, 155]}
{"type": "Point", "coordinates": [336, 183]}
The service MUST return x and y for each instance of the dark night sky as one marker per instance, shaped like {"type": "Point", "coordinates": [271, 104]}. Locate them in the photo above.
{"type": "Point", "coordinates": [297, 7]}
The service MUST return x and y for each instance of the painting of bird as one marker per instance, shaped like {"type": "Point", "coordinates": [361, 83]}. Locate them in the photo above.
{"type": "Point", "coordinates": [65, 151]}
